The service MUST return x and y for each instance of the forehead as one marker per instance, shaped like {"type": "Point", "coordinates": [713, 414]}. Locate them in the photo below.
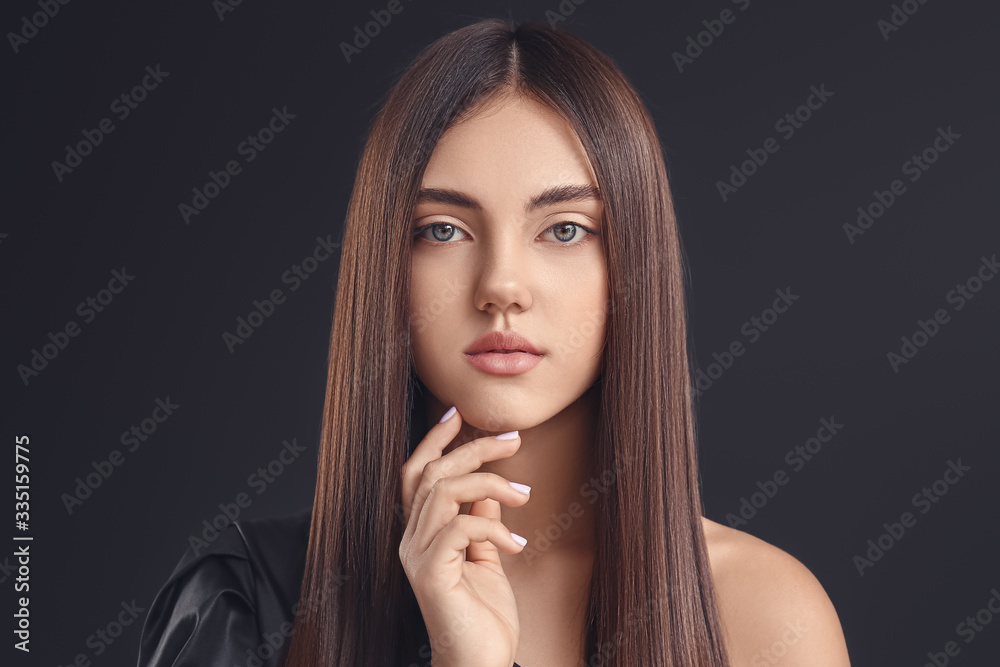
{"type": "Point", "coordinates": [511, 144]}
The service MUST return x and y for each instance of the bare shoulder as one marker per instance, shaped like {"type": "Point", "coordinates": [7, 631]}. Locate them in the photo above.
{"type": "Point", "coordinates": [772, 607]}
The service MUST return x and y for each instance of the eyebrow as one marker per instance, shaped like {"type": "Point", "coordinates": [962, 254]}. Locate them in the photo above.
{"type": "Point", "coordinates": [558, 194]}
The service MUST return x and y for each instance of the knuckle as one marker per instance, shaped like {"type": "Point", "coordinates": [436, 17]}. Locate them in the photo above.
{"type": "Point", "coordinates": [433, 468]}
{"type": "Point", "coordinates": [497, 479]}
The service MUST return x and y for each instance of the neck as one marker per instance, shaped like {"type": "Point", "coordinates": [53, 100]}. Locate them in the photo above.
{"type": "Point", "coordinates": [555, 460]}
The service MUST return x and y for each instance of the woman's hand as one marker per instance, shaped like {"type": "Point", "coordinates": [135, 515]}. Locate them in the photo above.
{"type": "Point", "coordinates": [452, 560]}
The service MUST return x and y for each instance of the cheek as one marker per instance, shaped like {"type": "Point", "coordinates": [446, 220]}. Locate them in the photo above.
{"type": "Point", "coordinates": [591, 302]}
{"type": "Point", "coordinates": [421, 280]}
{"type": "Point", "coordinates": [436, 298]}
{"type": "Point", "coordinates": [422, 336]}
{"type": "Point", "coordinates": [579, 322]}
{"type": "Point", "coordinates": [434, 301]}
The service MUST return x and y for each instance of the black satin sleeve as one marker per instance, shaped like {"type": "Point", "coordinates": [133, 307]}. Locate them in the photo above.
{"type": "Point", "coordinates": [230, 603]}
{"type": "Point", "coordinates": [205, 613]}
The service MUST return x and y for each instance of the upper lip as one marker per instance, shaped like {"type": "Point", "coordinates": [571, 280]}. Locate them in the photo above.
{"type": "Point", "coordinates": [502, 340]}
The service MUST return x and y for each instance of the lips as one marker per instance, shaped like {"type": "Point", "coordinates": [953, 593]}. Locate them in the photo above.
{"type": "Point", "coordinates": [503, 342]}
{"type": "Point", "coordinates": [503, 353]}
{"type": "Point", "coordinates": [504, 363]}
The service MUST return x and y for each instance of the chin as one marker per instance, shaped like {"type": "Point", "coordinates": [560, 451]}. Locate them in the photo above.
{"type": "Point", "coordinates": [491, 420]}
{"type": "Point", "coordinates": [490, 406]}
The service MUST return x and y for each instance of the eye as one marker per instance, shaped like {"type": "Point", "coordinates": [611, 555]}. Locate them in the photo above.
{"type": "Point", "coordinates": [441, 237]}
{"type": "Point", "coordinates": [565, 232]}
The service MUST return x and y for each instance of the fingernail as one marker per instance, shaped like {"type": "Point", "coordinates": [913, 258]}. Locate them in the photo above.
{"type": "Point", "coordinates": [520, 540]}
{"type": "Point", "coordinates": [509, 435]}
{"type": "Point", "coordinates": [523, 488]}
{"type": "Point", "coordinates": [447, 415]}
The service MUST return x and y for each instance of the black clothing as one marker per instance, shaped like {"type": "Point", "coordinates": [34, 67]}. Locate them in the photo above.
{"type": "Point", "coordinates": [230, 604]}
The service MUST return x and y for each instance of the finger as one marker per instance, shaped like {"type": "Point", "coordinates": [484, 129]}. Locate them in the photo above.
{"type": "Point", "coordinates": [484, 552]}
{"type": "Point", "coordinates": [446, 498]}
{"type": "Point", "coordinates": [430, 448]}
{"type": "Point", "coordinates": [465, 529]}
{"type": "Point", "coordinates": [463, 460]}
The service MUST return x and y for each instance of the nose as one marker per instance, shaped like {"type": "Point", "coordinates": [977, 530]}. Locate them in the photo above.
{"type": "Point", "coordinates": [504, 276]}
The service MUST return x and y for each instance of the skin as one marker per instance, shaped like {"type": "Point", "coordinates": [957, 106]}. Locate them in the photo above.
{"type": "Point", "coordinates": [500, 266]}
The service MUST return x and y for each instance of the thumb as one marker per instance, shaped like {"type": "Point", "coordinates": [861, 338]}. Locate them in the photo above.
{"type": "Point", "coordinates": [484, 552]}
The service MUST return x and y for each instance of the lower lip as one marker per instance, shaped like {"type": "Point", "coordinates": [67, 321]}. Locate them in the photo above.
{"type": "Point", "coordinates": [504, 363]}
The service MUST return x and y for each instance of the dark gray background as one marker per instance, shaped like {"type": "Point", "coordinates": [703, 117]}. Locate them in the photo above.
{"type": "Point", "coordinates": [824, 358]}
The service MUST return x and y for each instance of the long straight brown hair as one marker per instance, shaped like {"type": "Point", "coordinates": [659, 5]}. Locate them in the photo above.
{"type": "Point", "coordinates": [652, 600]}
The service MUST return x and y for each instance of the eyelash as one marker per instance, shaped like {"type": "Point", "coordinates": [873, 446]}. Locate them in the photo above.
{"type": "Point", "coordinates": [589, 234]}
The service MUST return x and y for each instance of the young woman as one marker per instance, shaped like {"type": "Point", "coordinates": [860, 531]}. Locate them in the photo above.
{"type": "Point", "coordinates": [508, 358]}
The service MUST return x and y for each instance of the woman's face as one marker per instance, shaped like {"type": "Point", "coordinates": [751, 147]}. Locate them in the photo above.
{"type": "Point", "coordinates": [497, 258]}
